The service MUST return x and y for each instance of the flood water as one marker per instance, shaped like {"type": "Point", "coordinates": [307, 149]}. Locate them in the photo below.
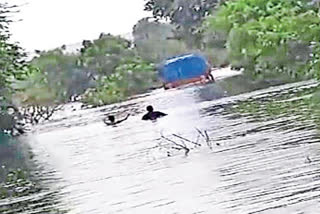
{"type": "Point", "coordinates": [261, 160]}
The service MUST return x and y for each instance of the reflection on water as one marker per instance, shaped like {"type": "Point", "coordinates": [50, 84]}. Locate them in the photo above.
{"type": "Point", "coordinates": [23, 188]}
{"type": "Point", "coordinates": [266, 161]}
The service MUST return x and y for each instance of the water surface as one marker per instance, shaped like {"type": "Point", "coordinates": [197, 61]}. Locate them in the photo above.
{"type": "Point", "coordinates": [264, 159]}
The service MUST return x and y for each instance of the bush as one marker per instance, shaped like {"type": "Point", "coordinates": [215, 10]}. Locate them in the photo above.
{"type": "Point", "coordinates": [270, 36]}
{"type": "Point", "coordinates": [132, 76]}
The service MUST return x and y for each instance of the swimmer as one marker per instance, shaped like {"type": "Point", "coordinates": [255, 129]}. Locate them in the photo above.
{"type": "Point", "coordinates": [112, 121]}
{"type": "Point", "coordinates": [152, 115]}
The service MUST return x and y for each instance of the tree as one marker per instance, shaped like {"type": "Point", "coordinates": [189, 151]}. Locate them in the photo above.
{"type": "Point", "coordinates": [63, 75]}
{"type": "Point", "coordinates": [104, 54]}
{"type": "Point", "coordinates": [270, 36]}
{"type": "Point", "coordinates": [12, 67]}
{"type": "Point", "coordinates": [154, 41]}
{"type": "Point", "coordinates": [131, 76]}
{"type": "Point", "coordinates": [12, 64]}
{"type": "Point", "coordinates": [186, 15]}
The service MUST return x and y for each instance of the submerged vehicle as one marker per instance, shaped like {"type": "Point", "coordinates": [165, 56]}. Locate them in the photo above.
{"type": "Point", "coordinates": [185, 69]}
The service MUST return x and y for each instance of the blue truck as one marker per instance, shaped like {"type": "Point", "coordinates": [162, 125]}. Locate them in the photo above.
{"type": "Point", "coordinates": [185, 69]}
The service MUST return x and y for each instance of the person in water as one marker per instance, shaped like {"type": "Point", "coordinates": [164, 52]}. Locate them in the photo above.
{"type": "Point", "coordinates": [152, 115]}
{"type": "Point", "coordinates": [112, 120]}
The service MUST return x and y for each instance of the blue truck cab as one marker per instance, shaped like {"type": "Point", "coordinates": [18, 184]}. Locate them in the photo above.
{"type": "Point", "coordinates": [184, 69]}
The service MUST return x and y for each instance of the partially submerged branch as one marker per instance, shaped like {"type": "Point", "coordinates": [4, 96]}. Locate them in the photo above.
{"type": "Point", "coordinates": [185, 141]}
{"type": "Point", "coordinates": [37, 114]}
{"type": "Point", "coordinates": [179, 146]}
{"type": "Point", "coordinates": [206, 137]}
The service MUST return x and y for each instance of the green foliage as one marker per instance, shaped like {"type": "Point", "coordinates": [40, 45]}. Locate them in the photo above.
{"type": "Point", "coordinates": [34, 90]}
{"type": "Point", "coordinates": [132, 76]}
{"type": "Point", "coordinates": [314, 63]}
{"type": "Point", "coordinates": [136, 76]}
{"type": "Point", "coordinates": [268, 36]}
{"type": "Point", "coordinates": [61, 76]}
{"type": "Point", "coordinates": [12, 67]}
{"type": "Point", "coordinates": [104, 54]}
{"type": "Point", "coordinates": [12, 64]}
{"type": "Point", "coordinates": [154, 41]}
{"type": "Point", "coordinates": [64, 75]}
{"type": "Point", "coordinates": [47, 60]}
{"type": "Point", "coordinates": [186, 15]}
{"type": "Point", "coordinates": [181, 13]}
{"type": "Point", "coordinates": [214, 46]}
{"type": "Point", "coordinates": [107, 69]}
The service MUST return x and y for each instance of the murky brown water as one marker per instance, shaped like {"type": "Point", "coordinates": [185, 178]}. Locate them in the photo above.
{"type": "Point", "coordinates": [264, 163]}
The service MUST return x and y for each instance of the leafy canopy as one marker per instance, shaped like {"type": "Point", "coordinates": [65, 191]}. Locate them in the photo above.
{"type": "Point", "coordinates": [187, 16]}
{"type": "Point", "coordinates": [154, 40]}
{"type": "Point", "coordinates": [267, 35]}
{"type": "Point", "coordinates": [130, 77]}
{"type": "Point", "coordinates": [12, 58]}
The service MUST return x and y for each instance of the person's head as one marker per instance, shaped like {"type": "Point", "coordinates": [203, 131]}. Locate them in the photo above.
{"type": "Point", "coordinates": [111, 118]}
{"type": "Point", "coordinates": [149, 108]}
